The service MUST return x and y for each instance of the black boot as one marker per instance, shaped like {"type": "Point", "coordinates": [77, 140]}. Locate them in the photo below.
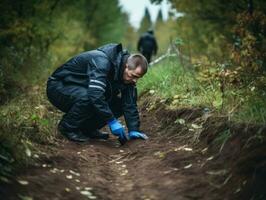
{"type": "Point", "coordinates": [76, 136]}
{"type": "Point", "coordinates": [98, 135]}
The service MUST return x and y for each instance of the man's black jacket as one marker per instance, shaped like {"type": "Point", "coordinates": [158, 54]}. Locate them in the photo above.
{"type": "Point", "coordinates": [101, 71]}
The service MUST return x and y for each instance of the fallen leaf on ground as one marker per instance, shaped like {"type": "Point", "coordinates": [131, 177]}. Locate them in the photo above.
{"type": "Point", "coordinates": [195, 126]}
{"type": "Point", "coordinates": [25, 197]}
{"type": "Point", "coordinates": [23, 182]}
{"type": "Point", "coordinates": [188, 166]}
{"type": "Point", "coordinates": [210, 158]}
{"type": "Point", "coordinates": [69, 176]}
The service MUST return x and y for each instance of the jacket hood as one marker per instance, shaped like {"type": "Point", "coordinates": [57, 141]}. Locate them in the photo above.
{"type": "Point", "coordinates": [116, 55]}
{"type": "Point", "coordinates": [112, 51]}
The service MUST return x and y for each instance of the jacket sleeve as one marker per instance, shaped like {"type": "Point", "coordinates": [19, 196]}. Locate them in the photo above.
{"type": "Point", "coordinates": [98, 70]}
{"type": "Point", "coordinates": [129, 104]}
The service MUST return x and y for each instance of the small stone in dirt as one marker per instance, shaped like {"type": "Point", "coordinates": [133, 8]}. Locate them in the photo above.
{"type": "Point", "coordinates": [88, 188]}
{"type": "Point", "coordinates": [221, 172]}
{"type": "Point", "coordinates": [75, 173]}
{"type": "Point", "coordinates": [77, 180]}
{"type": "Point", "coordinates": [85, 192]}
{"type": "Point", "coordinates": [88, 194]}
{"type": "Point", "coordinates": [195, 126]}
{"type": "Point", "coordinates": [204, 150]}
{"type": "Point", "coordinates": [180, 121]}
{"type": "Point", "coordinates": [69, 176]}
{"type": "Point", "coordinates": [121, 151]}
{"type": "Point", "coordinates": [54, 170]}
{"type": "Point", "coordinates": [237, 190]}
{"type": "Point", "coordinates": [4, 179]}
{"type": "Point", "coordinates": [144, 197]}
{"type": "Point", "coordinates": [183, 148]}
{"type": "Point", "coordinates": [78, 152]}
{"type": "Point", "coordinates": [124, 172]}
{"type": "Point", "coordinates": [77, 188]}
{"type": "Point", "coordinates": [151, 91]}
{"type": "Point", "coordinates": [67, 190]}
{"type": "Point", "coordinates": [188, 166]}
{"type": "Point", "coordinates": [210, 158]}
{"type": "Point", "coordinates": [23, 182]}
{"type": "Point", "coordinates": [159, 154]}
{"type": "Point", "coordinates": [36, 156]}
{"type": "Point", "coordinates": [22, 197]}
{"type": "Point", "coordinates": [28, 152]}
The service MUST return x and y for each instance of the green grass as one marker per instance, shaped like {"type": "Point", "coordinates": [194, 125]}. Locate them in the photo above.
{"type": "Point", "coordinates": [182, 88]}
{"type": "Point", "coordinates": [170, 80]}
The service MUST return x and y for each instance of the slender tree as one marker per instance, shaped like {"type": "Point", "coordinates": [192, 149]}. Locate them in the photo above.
{"type": "Point", "coordinates": [146, 22]}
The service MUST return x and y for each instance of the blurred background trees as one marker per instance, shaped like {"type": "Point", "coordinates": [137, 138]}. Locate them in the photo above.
{"type": "Point", "coordinates": [228, 32]}
{"type": "Point", "coordinates": [36, 36]}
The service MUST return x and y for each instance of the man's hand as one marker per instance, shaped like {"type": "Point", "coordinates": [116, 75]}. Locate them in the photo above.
{"type": "Point", "coordinates": [137, 135]}
{"type": "Point", "coordinates": [117, 128]}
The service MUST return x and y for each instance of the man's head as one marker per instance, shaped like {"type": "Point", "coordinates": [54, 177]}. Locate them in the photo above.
{"type": "Point", "coordinates": [136, 67]}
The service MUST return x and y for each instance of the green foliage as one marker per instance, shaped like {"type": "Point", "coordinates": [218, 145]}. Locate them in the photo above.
{"type": "Point", "coordinates": [205, 87]}
{"type": "Point", "coordinates": [222, 137]}
{"type": "Point", "coordinates": [171, 81]}
{"type": "Point", "coordinates": [37, 36]}
{"type": "Point", "coordinates": [248, 52]}
{"type": "Point", "coordinates": [247, 104]}
{"type": "Point", "coordinates": [105, 21]}
{"type": "Point", "coordinates": [26, 122]}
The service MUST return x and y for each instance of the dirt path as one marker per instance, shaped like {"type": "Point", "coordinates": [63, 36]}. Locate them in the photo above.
{"type": "Point", "coordinates": [159, 168]}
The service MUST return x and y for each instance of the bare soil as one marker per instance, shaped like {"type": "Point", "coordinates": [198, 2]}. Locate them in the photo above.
{"type": "Point", "coordinates": [179, 161]}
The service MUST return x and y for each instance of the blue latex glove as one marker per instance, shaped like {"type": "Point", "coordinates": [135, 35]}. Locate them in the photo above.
{"type": "Point", "coordinates": [117, 129]}
{"type": "Point", "coordinates": [137, 135]}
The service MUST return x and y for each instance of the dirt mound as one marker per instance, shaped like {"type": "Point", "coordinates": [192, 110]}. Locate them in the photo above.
{"type": "Point", "coordinates": [237, 158]}
{"type": "Point", "coordinates": [190, 154]}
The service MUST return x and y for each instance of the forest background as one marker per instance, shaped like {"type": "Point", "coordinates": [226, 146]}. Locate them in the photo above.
{"type": "Point", "coordinates": [221, 48]}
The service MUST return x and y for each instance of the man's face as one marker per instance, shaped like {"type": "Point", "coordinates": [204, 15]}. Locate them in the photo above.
{"type": "Point", "coordinates": [132, 75]}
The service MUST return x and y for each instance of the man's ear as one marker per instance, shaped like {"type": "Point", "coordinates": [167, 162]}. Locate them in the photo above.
{"type": "Point", "coordinates": [126, 66]}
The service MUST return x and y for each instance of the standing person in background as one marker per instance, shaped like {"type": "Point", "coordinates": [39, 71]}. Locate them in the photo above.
{"type": "Point", "coordinates": [147, 45]}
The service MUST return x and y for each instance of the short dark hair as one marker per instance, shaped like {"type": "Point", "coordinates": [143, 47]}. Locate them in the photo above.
{"type": "Point", "coordinates": [135, 60]}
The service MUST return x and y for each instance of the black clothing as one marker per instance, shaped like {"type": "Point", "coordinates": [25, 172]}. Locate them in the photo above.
{"type": "Point", "coordinates": [147, 45]}
{"type": "Point", "coordinates": [76, 136]}
{"type": "Point", "coordinates": [87, 89]}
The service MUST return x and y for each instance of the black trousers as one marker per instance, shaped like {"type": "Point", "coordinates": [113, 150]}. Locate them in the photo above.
{"type": "Point", "coordinates": [74, 102]}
